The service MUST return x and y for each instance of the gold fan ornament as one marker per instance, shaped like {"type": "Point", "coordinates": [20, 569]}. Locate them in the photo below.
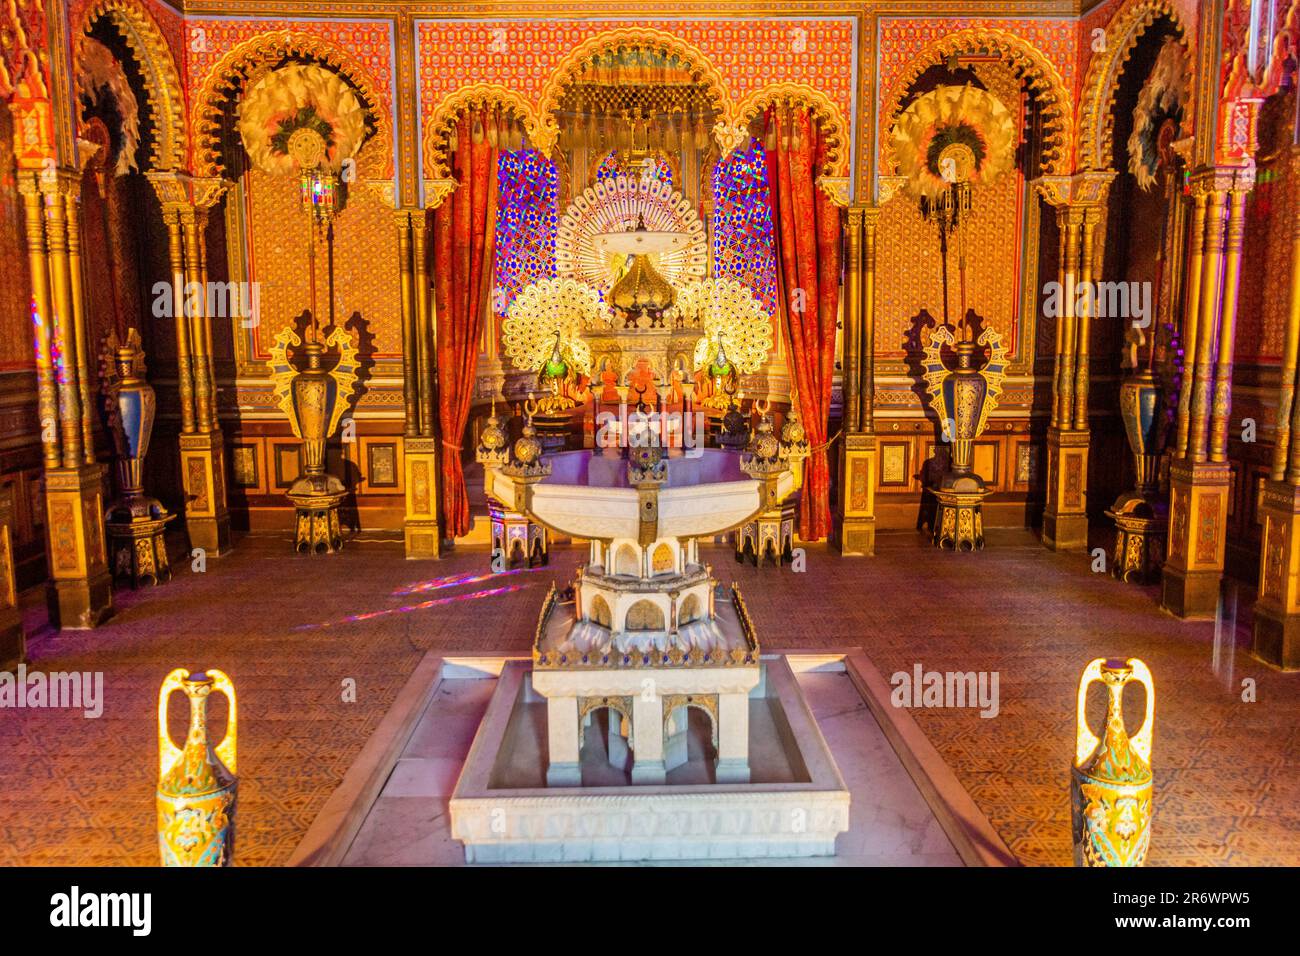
{"type": "Point", "coordinates": [953, 134]}
{"type": "Point", "coordinates": [622, 204]}
{"type": "Point", "coordinates": [299, 97]}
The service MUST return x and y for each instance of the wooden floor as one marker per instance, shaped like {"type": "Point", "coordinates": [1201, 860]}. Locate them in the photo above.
{"type": "Point", "coordinates": [291, 630]}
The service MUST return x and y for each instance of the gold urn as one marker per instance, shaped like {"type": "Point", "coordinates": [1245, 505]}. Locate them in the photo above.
{"type": "Point", "coordinates": [314, 399]}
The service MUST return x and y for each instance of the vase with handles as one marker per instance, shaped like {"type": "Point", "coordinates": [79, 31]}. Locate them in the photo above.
{"type": "Point", "coordinates": [1111, 783]}
{"type": "Point", "coordinates": [196, 783]}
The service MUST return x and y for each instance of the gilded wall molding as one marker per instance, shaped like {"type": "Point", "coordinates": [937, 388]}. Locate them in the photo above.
{"type": "Point", "coordinates": [451, 106]}
{"type": "Point", "coordinates": [232, 72]}
{"type": "Point", "coordinates": [162, 81]}
{"type": "Point", "coordinates": [627, 37]}
{"type": "Point", "coordinates": [1096, 123]}
{"type": "Point", "coordinates": [1036, 70]}
{"type": "Point", "coordinates": [829, 116]}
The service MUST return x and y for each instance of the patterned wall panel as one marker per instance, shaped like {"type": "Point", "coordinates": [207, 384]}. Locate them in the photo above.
{"type": "Point", "coordinates": [749, 54]}
{"type": "Point", "coordinates": [909, 265]}
{"type": "Point", "coordinates": [903, 40]}
{"type": "Point", "coordinates": [15, 283]}
{"type": "Point", "coordinates": [366, 275]}
{"type": "Point", "coordinates": [369, 43]}
{"type": "Point", "coordinates": [1266, 262]}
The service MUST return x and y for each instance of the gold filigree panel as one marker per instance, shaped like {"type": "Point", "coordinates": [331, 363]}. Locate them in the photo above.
{"type": "Point", "coordinates": [1266, 260]}
{"type": "Point", "coordinates": [366, 276]}
{"type": "Point", "coordinates": [909, 264]}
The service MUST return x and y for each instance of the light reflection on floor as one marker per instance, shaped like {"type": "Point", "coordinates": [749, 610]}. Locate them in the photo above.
{"type": "Point", "coordinates": [433, 584]}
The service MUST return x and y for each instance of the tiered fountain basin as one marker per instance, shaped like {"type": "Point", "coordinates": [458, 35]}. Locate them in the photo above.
{"type": "Point", "coordinates": [588, 495]}
{"type": "Point", "coordinates": [647, 724]}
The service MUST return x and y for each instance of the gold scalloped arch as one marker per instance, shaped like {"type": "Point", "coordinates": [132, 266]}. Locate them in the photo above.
{"type": "Point", "coordinates": [231, 73]}
{"type": "Point", "coordinates": [477, 94]}
{"type": "Point", "coordinates": [1096, 114]}
{"type": "Point", "coordinates": [827, 112]}
{"type": "Point", "coordinates": [1036, 70]}
{"type": "Point", "coordinates": [627, 37]}
{"type": "Point", "coordinates": [162, 82]}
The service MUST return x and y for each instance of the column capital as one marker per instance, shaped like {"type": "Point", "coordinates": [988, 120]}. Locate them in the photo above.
{"type": "Point", "coordinates": [1222, 179]}
{"type": "Point", "coordinates": [179, 190]}
{"type": "Point", "coordinates": [887, 187]}
{"type": "Point", "coordinates": [1087, 188]}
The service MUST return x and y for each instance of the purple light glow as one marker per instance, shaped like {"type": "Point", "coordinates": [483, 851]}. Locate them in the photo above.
{"type": "Point", "coordinates": [407, 608]}
{"type": "Point", "coordinates": [451, 581]}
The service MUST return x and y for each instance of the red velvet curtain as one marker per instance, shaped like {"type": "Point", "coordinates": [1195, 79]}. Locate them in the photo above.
{"type": "Point", "coordinates": [464, 230]}
{"type": "Point", "coordinates": [808, 234]}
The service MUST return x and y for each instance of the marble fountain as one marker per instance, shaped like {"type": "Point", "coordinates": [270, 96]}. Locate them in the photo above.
{"type": "Point", "coordinates": [643, 650]}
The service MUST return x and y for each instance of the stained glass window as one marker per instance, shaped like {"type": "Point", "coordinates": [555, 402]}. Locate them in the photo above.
{"type": "Point", "coordinates": [742, 224]}
{"type": "Point", "coordinates": [527, 214]}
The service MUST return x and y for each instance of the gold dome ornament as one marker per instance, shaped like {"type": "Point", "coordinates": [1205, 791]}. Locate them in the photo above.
{"type": "Point", "coordinates": [642, 290]}
{"type": "Point", "coordinates": [492, 440]}
{"type": "Point", "coordinates": [953, 134]}
{"type": "Point", "coordinates": [526, 459]}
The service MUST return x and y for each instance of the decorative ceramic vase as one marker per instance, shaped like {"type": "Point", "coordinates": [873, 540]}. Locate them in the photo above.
{"type": "Point", "coordinates": [135, 522]}
{"type": "Point", "coordinates": [1139, 402]}
{"type": "Point", "coordinates": [964, 394]}
{"type": "Point", "coordinates": [1141, 524]}
{"type": "Point", "coordinates": [197, 782]}
{"type": "Point", "coordinates": [314, 395]}
{"type": "Point", "coordinates": [1111, 780]}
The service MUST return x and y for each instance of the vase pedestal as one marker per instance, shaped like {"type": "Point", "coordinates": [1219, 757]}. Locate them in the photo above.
{"type": "Point", "coordinates": [316, 500]}
{"type": "Point", "coordinates": [959, 520]}
{"type": "Point", "coordinates": [80, 590]}
{"type": "Point", "coordinates": [1141, 529]}
{"type": "Point", "coordinates": [139, 550]}
{"type": "Point", "coordinates": [1198, 513]}
{"type": "Point", "coordinates": [420, 525]}
{"type": "Point", "coordinates": [1277, 609]}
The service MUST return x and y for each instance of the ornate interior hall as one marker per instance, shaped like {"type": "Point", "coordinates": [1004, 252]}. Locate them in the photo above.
{"type": "Point", "coordinates": [437, 433]}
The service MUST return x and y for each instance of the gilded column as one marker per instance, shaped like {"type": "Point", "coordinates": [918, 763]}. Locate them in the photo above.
{"type": "Point", "coordinates": [1277, 609]}
{"type": "Point", "coordinates": [65, 319]}
{"type": "Point", "coordinates": [176, 259]}
{"type": "Point", "coordinates": [1065, 516]}
{"type": "Point", "coordinates": [1191, 322]}
{"type": "Point", "coordinates": [1087, 275]}
{"type": "Point", "coordinates": [1199, 481]}
{"type": "Point", "coordinates": [425, 320]}
{"type": "Point", "coordinates": [72, 202]}
{"type": "Point", "coordinates": [867, 376]}
{"type": "Point", "coordinates": [187, 203]}
{"type": "Point", "coordinates": [410, 382]}
{"type": "Point", "coordinates": [203, 451]}
{"type": "Point", "coordinates": [80, 592]}
{"type": "Point", "coordinates": [422, 530]}
{"type": "Point", "coordinates": [47, 395]}
{"type": "Point", "coordinates": [1221, 404]}
{"type": "Point", "coordinates": [857, 535]}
